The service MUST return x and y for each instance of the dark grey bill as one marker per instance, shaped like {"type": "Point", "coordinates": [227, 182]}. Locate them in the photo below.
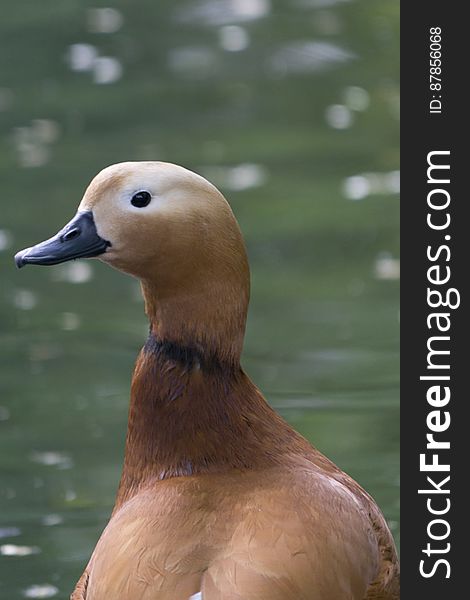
{"type": "Point", "coordinates": [78, 239]}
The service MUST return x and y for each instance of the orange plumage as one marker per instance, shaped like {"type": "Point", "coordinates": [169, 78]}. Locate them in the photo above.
{"type": "Point", "coordinates": [219, 499]}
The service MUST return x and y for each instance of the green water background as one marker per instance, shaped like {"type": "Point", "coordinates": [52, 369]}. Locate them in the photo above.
{"type": "Point", "coordinates": [291, 108]}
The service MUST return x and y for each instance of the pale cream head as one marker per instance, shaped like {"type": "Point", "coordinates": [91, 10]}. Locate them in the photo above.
{"type": "Point", "coordinates": [187, 219]}
{"type": "Point", "coordinates": [174, 231]}
{"type": "Point", "coordinates": [185, 245]}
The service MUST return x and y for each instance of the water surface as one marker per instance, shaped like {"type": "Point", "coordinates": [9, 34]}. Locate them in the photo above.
{"type": "Point", "coordinates": [291, 108]}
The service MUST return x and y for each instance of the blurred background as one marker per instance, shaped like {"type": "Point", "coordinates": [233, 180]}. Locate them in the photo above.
{"type": "Point", "coordinates": [291, 108]}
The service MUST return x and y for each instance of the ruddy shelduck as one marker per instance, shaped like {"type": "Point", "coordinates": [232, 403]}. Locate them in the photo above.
{"type": "Point", "coordinates": [219, 499]}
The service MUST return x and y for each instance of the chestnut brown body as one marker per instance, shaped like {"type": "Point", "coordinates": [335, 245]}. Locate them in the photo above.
{"type": "Point", "coordinates": [219, 499]}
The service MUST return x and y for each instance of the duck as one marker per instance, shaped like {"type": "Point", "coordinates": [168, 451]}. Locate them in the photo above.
{"type": "Point", "coordinates": [219, 497]}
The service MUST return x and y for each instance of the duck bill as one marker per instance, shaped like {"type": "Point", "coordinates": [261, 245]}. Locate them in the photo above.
{"type": "Point", "coordinates": [78, 239]}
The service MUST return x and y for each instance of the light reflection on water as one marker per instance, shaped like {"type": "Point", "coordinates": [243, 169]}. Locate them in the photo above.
{"type": "Point", "coordinates": [5, 240]}
{"type": "Point", "coordinates": [14, 550]}
{"type": "Point", "coordinates": [308, 56]}
{"type": "Point", "coordinates": [44, 590]}
{"type": "Point", "coordinates": [358, 187]}
{"type": "Point", "coordinates": [339, 116]}
{"type": "Point", "coordinates": [104, 20]}
{"type": "Point", "coordinates": [106, 70]}
{"type": "Point", "coordinates": [233, 38]}
{"type": "Point", "coordinates": [73, 272]}
{"type": "Point", "coordinates": [318, 3]}
{"type": "Point", "coordinates": [238, 177]}
{"type": "Point", "coordinates": [33, 142]}
{"type": "Point", "coordinates": [50, 458]}
{"type": "Point", "coordinates": [291, 108]}
{"type": "Point", "coordinates": [81, 57]}
{"type": "Point", "coordinates": [193, 62]}
{"type": "Point", "coordinates": [223, 12]}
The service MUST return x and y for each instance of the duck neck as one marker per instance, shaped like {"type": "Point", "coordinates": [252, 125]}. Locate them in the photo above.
{"type": "Point", "coordinates": [192, 413]}
{"type": "Point", "coordinates": [208, 316]}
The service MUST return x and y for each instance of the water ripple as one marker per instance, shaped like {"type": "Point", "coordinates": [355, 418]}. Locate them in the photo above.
{"type": "Point", "coordinates": [308, 56]}
{"type": "Point", "coordinates": [6, 532]}
{"type": "Point", "coordinates": [14, 550]}
{"type": "Point", "coordinates": [223, 12]}
{"type": "Point", "coordinates": [44, 590]}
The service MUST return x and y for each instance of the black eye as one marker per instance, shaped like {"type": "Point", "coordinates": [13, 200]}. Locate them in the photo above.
{"type": "Point", "coordinates": [141, 199]}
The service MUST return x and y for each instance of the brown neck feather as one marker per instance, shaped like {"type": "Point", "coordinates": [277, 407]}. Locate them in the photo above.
{"type": "Point", "coordinates": [192, 408]}
{"type": "Point", "coordinates": [191, 412]}
{"type": "Point", "coordinates": [207, 315]}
